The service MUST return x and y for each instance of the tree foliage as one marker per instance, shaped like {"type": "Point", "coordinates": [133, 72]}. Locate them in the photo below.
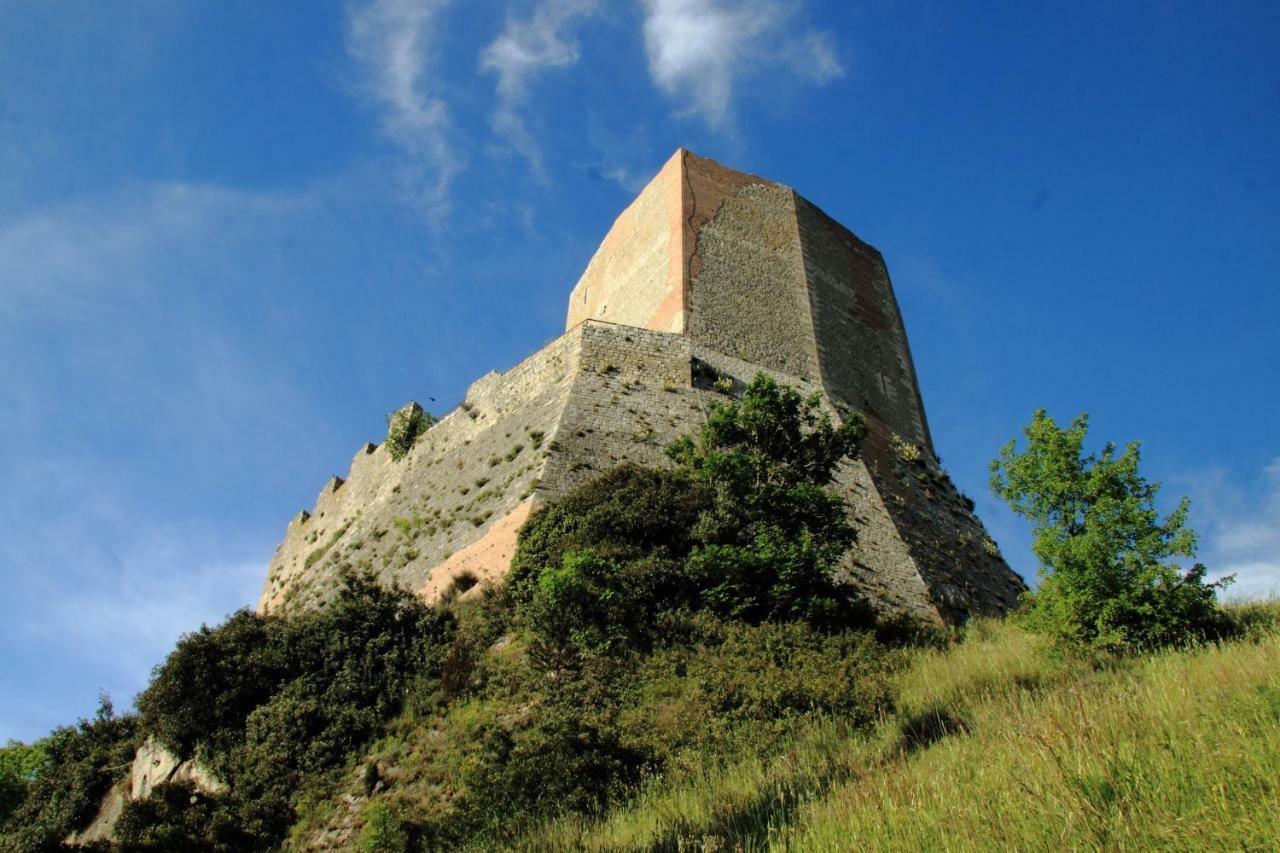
{"type": "Point", "coordinates": [65, 777]}
{"type": "Point", "coordinates": [270, 703]}
{"type": "Point", "coordinates": [1108, 569]}
{"type": "Point", "coordinates": [744, 527]}
{"type": "Point", "coordinates": [404, 427]}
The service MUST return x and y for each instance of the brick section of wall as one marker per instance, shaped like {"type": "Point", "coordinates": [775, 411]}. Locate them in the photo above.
{"type": "Point", "coordinates": [861, 342]}
{"type": "Point", "coordinates": [637, 275]}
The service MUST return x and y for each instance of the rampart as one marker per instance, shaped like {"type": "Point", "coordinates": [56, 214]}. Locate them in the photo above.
{"type": "Point", "coordinates": [710, 273]}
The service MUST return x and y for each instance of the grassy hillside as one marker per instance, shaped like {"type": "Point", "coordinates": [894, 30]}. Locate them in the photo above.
{"type": "Point", "coordinates": [673, 663]}
{"type": "Point", "coordinates": [999, 741]}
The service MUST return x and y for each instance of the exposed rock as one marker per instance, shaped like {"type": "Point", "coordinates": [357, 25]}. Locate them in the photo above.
{"type": "Point", "coordinates": [153, 764]}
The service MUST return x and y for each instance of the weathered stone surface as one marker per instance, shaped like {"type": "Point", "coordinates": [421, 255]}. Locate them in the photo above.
{"type": "Point", "coordinates": [710, 272]}
{"type": "Point", "coordinates": [104, 822]}
{"type": "Point", "coordinates": [152, 765]}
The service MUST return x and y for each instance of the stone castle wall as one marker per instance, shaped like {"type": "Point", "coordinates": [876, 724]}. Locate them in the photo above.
{"type": "Point", "coordinates": [601, 395]}
{"type": "Point", "coordinates": [749, 297]}
{"type": "Point", "coordinates": [461, 480]}
{"type": "Point", "coordinates": [708, 273]}
{"type": "Point", "coordinates": [859, 335]}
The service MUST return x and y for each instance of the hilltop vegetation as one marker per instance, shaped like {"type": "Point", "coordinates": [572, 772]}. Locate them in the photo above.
{"type": "Point", "coordinates": [672, 665]}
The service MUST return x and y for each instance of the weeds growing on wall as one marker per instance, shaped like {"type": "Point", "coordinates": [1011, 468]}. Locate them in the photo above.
{"type": "Point", "coordinates": [404, 427]}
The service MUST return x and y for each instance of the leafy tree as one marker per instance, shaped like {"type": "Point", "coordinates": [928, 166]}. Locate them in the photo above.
{"type": "Point", "coordinates": [203, 691]}
{"type": "Point", "coordinates": [774, 533]}
{"type": "Point", "coordinates": [20, 763]}
{"type": "Point", "coordinates": [744, 527]}
{"type": "Point", "coordinates": [1107, 558]}
{"type": "Point", "coordinates": [79, 765]}
{"type": "Point", "coordinates": [272, 703]}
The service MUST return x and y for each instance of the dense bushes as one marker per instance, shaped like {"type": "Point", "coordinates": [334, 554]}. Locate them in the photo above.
{"type": "Point", "coordinates": [649, 616]}
{"type": "Point", "coordinates": [743, 528]}
{"type": "Point", "coordinates": [62, 783]}
{"type": "Point", "coordinates": [272, 705]}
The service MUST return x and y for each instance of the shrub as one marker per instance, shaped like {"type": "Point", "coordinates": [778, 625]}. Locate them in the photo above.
{"type": "Point", "coordinates": [180, 817]}
{"type": "Point", "coordinates": [210, 683]}
{"type": "Point", "coordinates": [20, 763]}
{"type": "Point", "coordinates": [274, 704]}
{"type": "Point", "coordinates": [565, 757]}
{"type": "Point", "coordinates": [744, 528]}
{"type": "Point", "coordinates": [384, 830]}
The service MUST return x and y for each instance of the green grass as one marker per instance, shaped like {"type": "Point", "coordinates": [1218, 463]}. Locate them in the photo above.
{"type": "Point", "coordinates": [999, 742]}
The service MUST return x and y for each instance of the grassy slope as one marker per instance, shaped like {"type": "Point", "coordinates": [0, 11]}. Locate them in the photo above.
{"type": "Point", "coordinates": [998, 743]}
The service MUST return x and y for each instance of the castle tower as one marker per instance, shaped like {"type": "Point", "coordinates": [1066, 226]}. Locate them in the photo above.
{"type": "Point", "coordinates": [708, 273]}
{"type": "Point", "coordinates": [751, 269]}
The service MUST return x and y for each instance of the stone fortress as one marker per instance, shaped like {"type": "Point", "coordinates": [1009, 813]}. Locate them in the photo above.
{"type": "Point", "coordinates": [708, 277]}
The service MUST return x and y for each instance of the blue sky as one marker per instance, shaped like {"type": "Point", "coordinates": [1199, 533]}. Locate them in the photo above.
{"type": "Point", "coordinates": [234, 234]}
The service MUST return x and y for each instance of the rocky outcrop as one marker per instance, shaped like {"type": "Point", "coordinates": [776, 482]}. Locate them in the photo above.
{"type": "Point", "coordinates": [153, 764]}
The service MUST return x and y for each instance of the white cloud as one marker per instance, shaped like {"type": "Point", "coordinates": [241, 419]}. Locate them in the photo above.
{"type": "Point", "coordinates": [524, 49]}
{"type": "Point", "coordinates": [699, 49]}
{"type": "Point", "coordinates": [391, 43]}
{"type": "Point", "coordinates": [1243, 531]}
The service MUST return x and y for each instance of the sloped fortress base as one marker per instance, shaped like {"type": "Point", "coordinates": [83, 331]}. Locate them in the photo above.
{"type": "Point", "coordinates": [709, 275]}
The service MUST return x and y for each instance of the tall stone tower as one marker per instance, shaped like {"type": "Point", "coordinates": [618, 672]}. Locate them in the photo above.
{"type": "Point", "coordinates": [709, 274]}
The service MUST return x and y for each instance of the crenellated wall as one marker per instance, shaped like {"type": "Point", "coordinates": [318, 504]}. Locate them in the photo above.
{"type": "Point", "coordinates": [600, 395]}
{"type": "Point", "coordinates": [709, 273]}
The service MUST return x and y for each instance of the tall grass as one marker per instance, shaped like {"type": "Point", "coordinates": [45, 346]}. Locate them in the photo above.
{"type": "Point", "coordinates": [1000, 741]}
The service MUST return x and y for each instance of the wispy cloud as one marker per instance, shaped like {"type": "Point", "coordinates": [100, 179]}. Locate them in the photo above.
{"type": "Point", "coordinates": [700, 49]}
{"type": "Point", "coordinates": [100, 591]}
{"type": "Point", "coordinates": [1242, 530]}
{"type": "Point", "coordinates": [527, 47]}
{"type": "Point", "coordinates": [391, 43]}
{"type": "Point", "coordinates": [144, 400]}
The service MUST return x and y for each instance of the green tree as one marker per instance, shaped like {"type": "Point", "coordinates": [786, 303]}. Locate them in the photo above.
{"type": "Point", "coordinates": [76, 766]}
{"type": "Point", "coordinates": [775, 532]}
{"type": "Point", "coordinates": [744, 527]}
{"type": "Point", "coordinates": [20, 763]}
{"type": "Point", "coordinates": [1107, 558]}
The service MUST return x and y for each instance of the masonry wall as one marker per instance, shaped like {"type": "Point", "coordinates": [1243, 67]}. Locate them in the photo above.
{"type": "Point", "coordinates": [601, 395]}
{"type": "Point", "coordinates": [957, 560]}
{"type": "Point", "coordinates": [636, 277]}
{"type": "Point", "coordinates": [460, 484]}
{"type": "Point", "coordinates": [749, 298]}
{"type": "Point", "coordinates": [860, 338]}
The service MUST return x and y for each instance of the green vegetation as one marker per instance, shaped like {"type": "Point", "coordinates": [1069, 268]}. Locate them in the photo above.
{"type": "Point", "coordinates": [404, 427]}
{"type": "Point", "coordinates": [1000, 741]}
{"type": "Point", "coordinates": [54, 786]}
{"type": "Point", "coordinates": [671, 665]}
{"type": "Point", "coordinates": [1107, 576]}
{"type": "Point", "coordinates": [273, 707]}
